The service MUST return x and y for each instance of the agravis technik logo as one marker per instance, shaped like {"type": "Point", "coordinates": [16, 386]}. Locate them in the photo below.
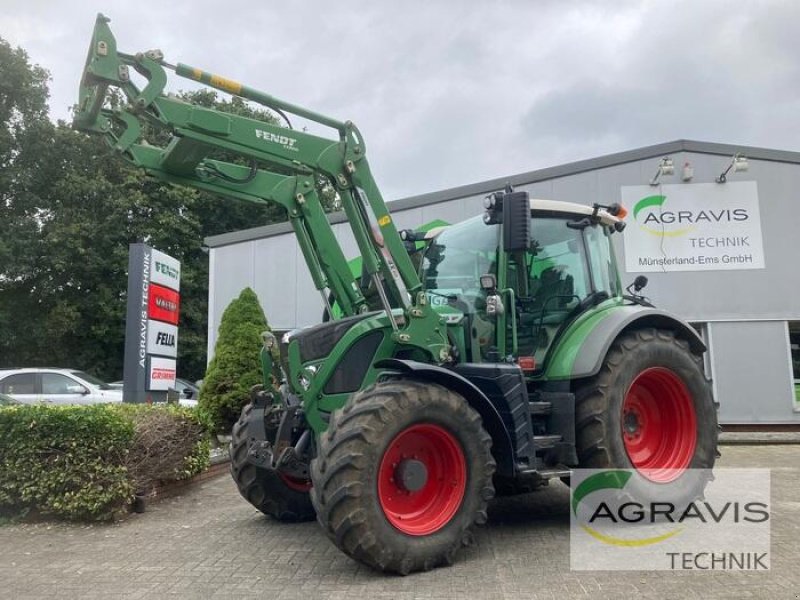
{"type": "Point", "coordinates": [621, 520]}
{"type": "Point", "coordinates": [652, 217]}
{"type": "Point", "coordinates": [629, 511]}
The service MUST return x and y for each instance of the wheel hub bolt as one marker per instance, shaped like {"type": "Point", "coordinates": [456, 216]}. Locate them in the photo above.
{"type": "Point", "coordinates": [411, 475]}
{"type": "Point", "coordinates": [631, 423]}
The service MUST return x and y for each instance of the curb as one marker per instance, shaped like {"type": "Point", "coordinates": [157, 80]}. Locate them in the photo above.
{"type": "Point", "coordinates": [169, 489]}
{"type": "Point", "coordinates": [758, 438]}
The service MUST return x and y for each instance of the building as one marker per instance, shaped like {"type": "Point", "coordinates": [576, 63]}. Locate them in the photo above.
{"type": "Point", "coordinates": [720, 254]}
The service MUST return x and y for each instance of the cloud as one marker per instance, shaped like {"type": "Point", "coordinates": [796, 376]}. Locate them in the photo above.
{"type": "Point", "coordinates": [448, 94]}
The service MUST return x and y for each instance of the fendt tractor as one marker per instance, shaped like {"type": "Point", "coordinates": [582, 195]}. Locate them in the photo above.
{"type": "Point", "coordinates": [487, 357]}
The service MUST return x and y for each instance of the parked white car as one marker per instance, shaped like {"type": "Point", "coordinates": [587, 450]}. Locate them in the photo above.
{"type": "Point", "coordinates": [56, 386]}
{"type": "Point", "coordinates": [188, 392]}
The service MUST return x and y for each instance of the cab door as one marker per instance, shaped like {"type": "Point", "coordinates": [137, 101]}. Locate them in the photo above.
{"type": "Point", "coordinates": [549, 280]}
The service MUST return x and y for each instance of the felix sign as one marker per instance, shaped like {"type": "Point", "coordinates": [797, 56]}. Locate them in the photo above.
{"type": "Point", "coordinates": [151, 337]}
{"type": "Point", "coordinates": [693, 227]}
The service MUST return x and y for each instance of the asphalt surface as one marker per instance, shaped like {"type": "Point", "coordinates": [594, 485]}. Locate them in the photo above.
{"type": "Point", "coordinates": [210, 543]}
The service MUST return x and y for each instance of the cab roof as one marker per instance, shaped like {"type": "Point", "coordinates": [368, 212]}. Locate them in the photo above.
{"type": "Point", "coordinates": [557, 206]}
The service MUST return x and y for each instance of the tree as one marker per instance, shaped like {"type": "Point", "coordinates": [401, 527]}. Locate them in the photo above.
{"type": "Point", "coordinates": [24, 131]}
{"type": "Point", "coordinates": [69, 208]}
{"type": "Point", "coordinates": [236, 366]}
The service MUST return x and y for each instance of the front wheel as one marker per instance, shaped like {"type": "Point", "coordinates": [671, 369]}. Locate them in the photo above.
{"type": "Point", "coordinates": [650, 408]}
{"type": "Point", "coordinates": [403, 473]}
{"type": "Point", "coordinates": [271, 492]}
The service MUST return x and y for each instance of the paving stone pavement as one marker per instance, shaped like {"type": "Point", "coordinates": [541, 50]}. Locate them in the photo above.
{"type": "Point", "coordinates": [209, 543]}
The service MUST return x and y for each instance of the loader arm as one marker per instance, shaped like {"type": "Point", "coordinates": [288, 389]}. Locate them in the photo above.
{"type": "Point", "coordinates": [284, 166]}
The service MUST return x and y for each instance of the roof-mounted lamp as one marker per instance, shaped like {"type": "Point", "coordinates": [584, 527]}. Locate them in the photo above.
{"type": "Point", "coordinates": [665, 167]}
{"type": "Point", "coordinates": [738, 164]}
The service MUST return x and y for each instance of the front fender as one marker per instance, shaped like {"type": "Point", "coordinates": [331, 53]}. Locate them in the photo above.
{"type": "Point", "coordinates": [502, 448]}
{"type": "Point", "coordinates": [580, 351]}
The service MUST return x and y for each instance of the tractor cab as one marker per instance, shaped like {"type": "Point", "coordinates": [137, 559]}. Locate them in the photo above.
{"type": "Point", "coordinates": [566, 267]}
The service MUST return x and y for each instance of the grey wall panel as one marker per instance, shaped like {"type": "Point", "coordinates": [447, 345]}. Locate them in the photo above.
{"type": "Point", "coordinates": [752, 375]}
{"type": "Point", "coordinates": [452, 212]}
{"type": "Point", "coordinates": [233, 271]}
{"type": "Point", "coordinates": [408, 219]}
{"type": "Point", "coordinates": [580, 188]}
{"type": "Point", "coordinates": [540, 189]}
{"type": "Point", "coordinates": [307, 301]}
{"type": "Point", "coordinates": [610, 180]}
{"type": "Point", "coordinates": [472, 206]}
{"type": "Point", "coordinates": [277, 269]}
{"type": "Point", "coordinates": [346, 240]}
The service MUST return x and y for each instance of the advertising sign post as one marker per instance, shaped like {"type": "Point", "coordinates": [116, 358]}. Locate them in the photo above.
{"type": "Point", "coordinates": [151, 328]}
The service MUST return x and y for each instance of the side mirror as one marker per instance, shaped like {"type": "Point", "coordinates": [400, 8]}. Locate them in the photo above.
{"type": "Point", "coordinates": [639, 283]}
{"type": "Point", "coordinates": [77, 389]}
{"type": "Point", "coordinates": [516, 221]}
{"type": "Point", "coordinates": [187, 392]}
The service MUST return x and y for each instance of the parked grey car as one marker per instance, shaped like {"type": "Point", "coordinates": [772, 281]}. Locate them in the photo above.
{"type": "Point", "coordinates": [7, 400]}
{"type": "Point", "coordinates": [56, 386]}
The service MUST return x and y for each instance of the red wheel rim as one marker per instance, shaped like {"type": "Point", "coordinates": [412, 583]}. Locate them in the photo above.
{"type": "Point", "coordinates": [295, 483]}
{"type": "Point", "coordinates": [421, 479]}
{"type": "Point", "coordinates": [659, 425]}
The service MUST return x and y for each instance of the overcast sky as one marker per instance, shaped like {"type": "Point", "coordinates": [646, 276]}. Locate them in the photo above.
{"type": "Point", "coordinates": [450, 93]}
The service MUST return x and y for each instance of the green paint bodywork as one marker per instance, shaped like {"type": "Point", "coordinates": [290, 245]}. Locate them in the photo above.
{"type": "Point", "coordinates": [563, 354]}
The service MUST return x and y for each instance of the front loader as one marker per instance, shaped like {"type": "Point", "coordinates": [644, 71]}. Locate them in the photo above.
{"type": "Point", "coordinates": [483, 358]}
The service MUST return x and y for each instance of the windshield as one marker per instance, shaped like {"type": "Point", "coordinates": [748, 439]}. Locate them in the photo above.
{"type": "Point", "coordinates": [92, 379]}
{"type": "Point", "coordinates": [458, 257]}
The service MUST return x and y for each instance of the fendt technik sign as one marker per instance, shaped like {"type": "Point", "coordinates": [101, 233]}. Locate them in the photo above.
{"type": "Point", "coordinates": [151, 332]}
{"type": "Point", "coordinates": [693, 227]}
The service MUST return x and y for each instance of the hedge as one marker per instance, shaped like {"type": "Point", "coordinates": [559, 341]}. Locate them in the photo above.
{"type": "Point", "coordinates": [87, 462]}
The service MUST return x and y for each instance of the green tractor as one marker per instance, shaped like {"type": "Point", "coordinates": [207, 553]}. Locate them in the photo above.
{"type": "Point", "coordinates": [484, 358]}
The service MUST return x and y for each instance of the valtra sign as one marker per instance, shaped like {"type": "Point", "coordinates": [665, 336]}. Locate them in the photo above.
{"type": "Point", "coordinates": [163, 304]}
{"type": "Point", "coordinates": [151, 333]}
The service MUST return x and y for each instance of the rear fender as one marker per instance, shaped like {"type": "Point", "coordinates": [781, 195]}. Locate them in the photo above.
{"type": "Point", "coordinates": [581, 350]}
{"type": "Point", "coordinates": [502, 448]}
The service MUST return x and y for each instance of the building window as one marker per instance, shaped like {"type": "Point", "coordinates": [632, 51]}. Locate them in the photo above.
{"type": "Point", "coordinates": [794, 347]}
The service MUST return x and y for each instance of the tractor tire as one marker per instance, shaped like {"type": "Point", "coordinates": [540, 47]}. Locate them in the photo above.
{"type": "Point", "coordinates": [402, 474]}
{"type": "Point", "coordinates": [650, 408]}
{"type": "Point", "coordinates": [281, 498]}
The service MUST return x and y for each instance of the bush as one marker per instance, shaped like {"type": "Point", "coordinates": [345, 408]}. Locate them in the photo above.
{"type": "Point", "coordinates": [169, 443]}
{"type": "Point", "coordinates": [86, 462]}
{"type": "Point", "coordinates": [236, 366]}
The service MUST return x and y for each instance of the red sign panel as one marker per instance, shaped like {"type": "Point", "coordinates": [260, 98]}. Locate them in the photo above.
{"type": "Point", "coordinates": [163, 304]}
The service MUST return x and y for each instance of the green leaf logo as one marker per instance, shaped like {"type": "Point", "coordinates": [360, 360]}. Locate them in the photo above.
{"type": "Point", "coordinates": [647, 202]}
{"type": "Point", "coordinates": [616, 480]}
{"type": "Point", "coordinates": [599, 481]}
{"type": "Point", "coordinates": [662, 231]}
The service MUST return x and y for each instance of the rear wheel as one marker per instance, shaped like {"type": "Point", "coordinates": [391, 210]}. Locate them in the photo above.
{"type": "Point", "coordinates": [271, 492]}
{"type": "Point", "coordinates": [650, 408]}
{"type": "Point", "coordinates": [403, 473]}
